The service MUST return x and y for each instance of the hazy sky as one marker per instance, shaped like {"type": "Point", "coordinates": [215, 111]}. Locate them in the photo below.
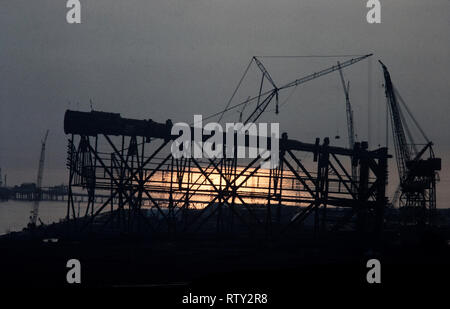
{"type": "Point", "coordinates": [173, 58]}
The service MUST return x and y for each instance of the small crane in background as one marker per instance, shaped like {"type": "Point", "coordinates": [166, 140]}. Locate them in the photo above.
{"type": "Point", "coordinates": [350, 123]}
{"type": "Point", "coordinates": [349, 110]}
{"type": "Point", "coordinates": [35, 210]}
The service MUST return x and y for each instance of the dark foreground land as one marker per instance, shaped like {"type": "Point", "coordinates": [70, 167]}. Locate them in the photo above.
{"type": "Point", "coordinates": [218, 264]}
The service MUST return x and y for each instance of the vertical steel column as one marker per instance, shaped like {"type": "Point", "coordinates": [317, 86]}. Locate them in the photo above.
{"type": "Point", "coordinates": [381, 182]}
{"type": "Point", "coordinates": [321, 194]}
{"type": "Point", "coordinates": [362, 212]}
{"type": "Point", "coordinates": [281, 156]}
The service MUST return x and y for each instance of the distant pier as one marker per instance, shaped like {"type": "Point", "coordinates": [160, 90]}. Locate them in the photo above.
{"type": "Point", "coordinates": [29, 192]}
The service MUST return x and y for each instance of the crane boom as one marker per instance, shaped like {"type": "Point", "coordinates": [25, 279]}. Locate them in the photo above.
{"type": "Point", "coordinates": [324, 72]}
{"type": "Point", "coordinates": [401, 147]}
{"type": "Point", "coordinates": [348, 108]}
{"type": "Point", "coordinates": [34, 212]}
{"type": "Point", "coordinates": [273, 93]}
{"type": "Point", "coordinates": [350, 125]}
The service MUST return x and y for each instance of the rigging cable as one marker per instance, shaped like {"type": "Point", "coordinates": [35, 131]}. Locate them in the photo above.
{"type": "Point", "coordinates": [236, 89]}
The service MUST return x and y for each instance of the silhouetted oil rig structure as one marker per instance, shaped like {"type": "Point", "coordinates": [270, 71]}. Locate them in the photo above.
{"type": "Point", "coordinates": [151, 190]}
{"type": "Point", "coordinates": [132, 175]}
{"type": "Point", "coordinates": [124, 172]}
{"type": "Point", "coordinates": [133, 185]}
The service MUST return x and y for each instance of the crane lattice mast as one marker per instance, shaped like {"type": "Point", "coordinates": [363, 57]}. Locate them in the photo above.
{"type": "Point", "coordinates": [35, 211]}
{"type": "Point", "coordinates": [349, 112]}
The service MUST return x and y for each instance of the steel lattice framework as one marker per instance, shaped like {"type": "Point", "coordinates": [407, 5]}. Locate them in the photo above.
{"type": "Point", "coordinates": [151, 191]}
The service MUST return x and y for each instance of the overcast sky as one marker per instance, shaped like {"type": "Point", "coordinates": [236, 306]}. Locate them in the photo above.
{"type": "Point", "coordinates": [174, 58]}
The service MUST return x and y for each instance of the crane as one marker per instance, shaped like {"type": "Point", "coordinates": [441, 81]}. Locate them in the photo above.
{"type": "Point", "coordinates": [273, 93]}
{"type": "Point", "coordinates": [348, 108]}
{"type": "Point", "coordinates": [349, 112]}
{"type": "Point", "coordinates": [417, 174]}
{"type": "Point", "coordinates": [35, 211]}
{"type": "Point", "coordinates": [264, 98]}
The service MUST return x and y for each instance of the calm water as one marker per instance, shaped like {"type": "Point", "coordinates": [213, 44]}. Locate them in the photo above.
{"type": "Point", "coordinates": [14, 215]}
